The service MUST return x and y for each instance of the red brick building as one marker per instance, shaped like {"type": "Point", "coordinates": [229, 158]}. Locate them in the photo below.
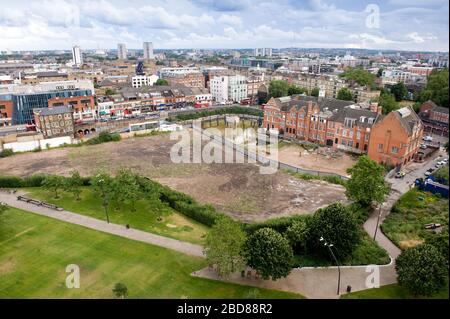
{"type": "Point", "coordinates": [435, 118]}
{"type": "Point", "coordinates": [395, 138]}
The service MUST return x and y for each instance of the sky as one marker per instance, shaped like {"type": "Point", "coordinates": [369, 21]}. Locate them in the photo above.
{"type": "Point", "coordinates": [420, 25]}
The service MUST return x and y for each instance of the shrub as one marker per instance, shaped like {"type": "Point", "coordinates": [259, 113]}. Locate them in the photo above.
{"type": "Point", "coordinates": [104, 137]}
{"type": "Point", "coordinates": [34, 180]}
{"type": "Point", "coordinates": [422, 270]}
{"type": "Point", "coordinates": [280, 224]}
{"type": "Point", "coordinates": [10, 181]}
{"type": "Point", "coordinates": [6, 153]}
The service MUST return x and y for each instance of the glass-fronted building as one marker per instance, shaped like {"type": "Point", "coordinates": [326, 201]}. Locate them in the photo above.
{"type": "Point", "coordinates": [23, 104]}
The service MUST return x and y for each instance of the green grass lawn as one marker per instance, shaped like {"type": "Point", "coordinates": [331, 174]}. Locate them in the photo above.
{"type": "Point", "coordinates": [145, 217]}
{"type": "Point", "coordinates": [35, 250]}
{"type": "Point", "coordinates": [405, 224]}
{"type": "Point", "coordinates": [393, 291]}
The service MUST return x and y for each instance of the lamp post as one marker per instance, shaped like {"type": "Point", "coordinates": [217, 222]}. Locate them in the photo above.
{"type": "Point", "coordinates": [329, 245]}
{"type": "Point", "coordinates": [378, 222]}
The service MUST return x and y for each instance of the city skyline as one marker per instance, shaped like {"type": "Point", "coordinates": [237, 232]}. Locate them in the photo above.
{"type": "Point", "coordinates": [207, 24]}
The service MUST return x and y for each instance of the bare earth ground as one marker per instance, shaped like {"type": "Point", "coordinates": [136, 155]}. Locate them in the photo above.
{"type": "Point", "coordinates": [236, 189]}
{"type": "Point", "coordinates": [290, 154]}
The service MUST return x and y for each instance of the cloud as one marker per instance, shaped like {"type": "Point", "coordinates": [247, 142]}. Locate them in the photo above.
{"type": "Point", "coordinates": [230, 19]}
{"type": "Point", "coordinates": [222, 5]}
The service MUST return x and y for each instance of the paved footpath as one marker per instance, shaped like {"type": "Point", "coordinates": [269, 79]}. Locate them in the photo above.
{"type": "Point", "coordinates": [103, 226]}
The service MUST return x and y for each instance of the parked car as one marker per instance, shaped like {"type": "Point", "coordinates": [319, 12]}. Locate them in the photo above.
{"type": "Point", "coordinates": [428, 138]}
{"type": "Point", "coordinates": [438, 165]}
{"type": "Point", "coordinates": [423, 146]}
{"type": "Point", "coordinates": [429, 171]}
{"type": "Point", "coordinates": [400, 175]}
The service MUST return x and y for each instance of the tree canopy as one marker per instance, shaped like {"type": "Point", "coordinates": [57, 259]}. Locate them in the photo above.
{"type": "Point", "coordinates": [278, 88]}
{"type": "Point", "coordinates": [388, 102]}
{"type": "Point", "coordinates": [399, 91]}
{"type": "Point", "coordinates": [269, 253]}
{"type": "Point", "coordinates": [161, 82]}
{"type": "Point", "coordinates": [366, 184]}
{"type": "Point", "coordinates": [422, 270]}
{"type": "Point", "coordinates": [437, 88]}
{"type": "Point", "coordinates": [345, 94]}
{"type": "Point", "coordinates": [224, 246]}
{"type": "Point", "coordinates": [337, 225]}
{"type": "Point", "coordinates": [360, 76]}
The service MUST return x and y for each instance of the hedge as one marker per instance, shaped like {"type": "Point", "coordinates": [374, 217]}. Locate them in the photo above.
{"type": "Point", "coordinates": [280, 224]}
{"type": "Point", "coordinates": [227, 110]}
{"type": "Point", "coordinates": [34, 180]}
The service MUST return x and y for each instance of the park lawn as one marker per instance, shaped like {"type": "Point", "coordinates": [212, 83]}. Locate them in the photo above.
{"type": "Point", "coordinates": [405, 224]}
{"type": "Point", "coordinates": [35, 251]}
{"type": "Point", "coordinates": [393, 291]}
{"type": "Point", "coordinates": [172, 224]}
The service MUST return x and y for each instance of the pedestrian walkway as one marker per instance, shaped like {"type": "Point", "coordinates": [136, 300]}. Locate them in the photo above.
{"type": "Point", "coordinates": [103, 226]}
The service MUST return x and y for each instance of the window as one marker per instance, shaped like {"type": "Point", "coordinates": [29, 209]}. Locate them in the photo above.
{"type": "Point", "coordinates": [394, 150]}
{"type": "Point", "coordinates": [358, 135]}
{"type": "Point", "coordinates": [380, 147]}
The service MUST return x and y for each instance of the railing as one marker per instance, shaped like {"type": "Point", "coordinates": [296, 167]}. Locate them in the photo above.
{"type": "Point", "coordinates": [230, 145]}
{"type": "Point", "coordinates": [38, 203]}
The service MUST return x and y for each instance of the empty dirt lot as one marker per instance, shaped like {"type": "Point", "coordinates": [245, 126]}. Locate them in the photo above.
{"type": "Point", "coordinates": [236, 189]}
{"type": "Point", "coordinates": [328, 161]}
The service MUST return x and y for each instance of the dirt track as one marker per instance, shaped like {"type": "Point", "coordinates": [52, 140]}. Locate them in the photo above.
{"type": "Point", "coordinates": [236, 189]}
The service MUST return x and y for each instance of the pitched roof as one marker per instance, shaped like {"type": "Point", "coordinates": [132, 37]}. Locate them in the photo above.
{"type": "Point", "coordinates": [407, 117]}
{"type": "Point", "coordinates": [299, 101]}
{"type": "Point", "coordinates": [361, 116]}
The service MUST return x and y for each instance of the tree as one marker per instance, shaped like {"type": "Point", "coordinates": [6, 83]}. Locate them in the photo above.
{"type": "Point", "coordinates": [269, 253]}
{"type": "Point", "coordinates": [109, 92]}
{"type": "Point", "coordinates": [294, 89]}
{"type": "Point", "coordinates": [73, 184]}
{"type": "Point", "coordinates": [366, 183]}
{"type": "Point", "coordinates": [125, 188]}
{"type": "Point", "coordinates": [338, 226]}
{"type": "Point", "coordinates": [387, 101]}
{"type": "Point", "coordinates": [399, 91]}
{"type": "Point", "coordinates": [224, 246]}
{"type": "Point", "coordinates": [297, 234]}
{"type": "Point", "coordinates": [360, 76]}
{"type": "Point", "coordinates": [315, 92]}
{"type": "Point", "coordinates": [120, 290]}
{"type": "Point", "coordinates": [437, 88]}
{"type": "Point", "coordinates": [102, 184]}
{"type": "Point", "coordinates": [422, 270]}
{"type": "Point", "coordinates": [440, 242]}
{"type": "Point", "coordinates": [345, 95]}
{"type": "Point", "coordinates": [161, 82]}
{"type": "Point", "coordinates": [53, 183]}
{"type": "Point", "coordinates": [278, 88]}
{"type": "Point", "coordinates": [380, 72]}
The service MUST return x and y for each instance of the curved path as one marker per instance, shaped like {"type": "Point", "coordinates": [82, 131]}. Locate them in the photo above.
{"type": "Point", "coordinates": [97, 224]}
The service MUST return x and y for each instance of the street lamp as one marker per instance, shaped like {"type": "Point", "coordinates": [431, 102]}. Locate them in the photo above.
{"type": "Point", "coordinates": [329, 245]}
{"type": "Point", "coordinates": [378, 222]}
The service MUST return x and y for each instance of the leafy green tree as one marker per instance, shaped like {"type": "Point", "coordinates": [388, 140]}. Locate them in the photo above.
{"type": "Point", "coordinates": [73, 184]}
{"type": "Point", "coordinates": [125, 188]}
{"type": "Point", "coordinates": [294, 89]}
{"type": "Point", "coordinates": [345, 94]}
{"type": "Point", "coordinates": [53, 183]}
{"type": "Point", "coordinates": [440, 242]}
{"type": "Point", "coordinates": [102, 184]}
{"type": "Point", "coordinates": [278, 88]}
{"type": "Point", "coordinates": [338, 226]}
{"type": "Point", "coordinates": [388, 102]}
{"type": "Point", "coordinates": [269, 253]}
{"type": "Point", "coordinates": [315, 92]}
{"type": "Point", "coordinates": [161, 82]}
{"type": "Point", "coordinates": [366, 184]}
{"type": "Point", "coordinates": [422, 270]}
{"type": "Point", "coordinates": [297, 234]}
{"type": "Point", "coordinates": [224, 246]}
{"type": "Point", "coordinates": [120, 290]}
{"type": "Point", "coordinates": [360, 76]}
{"type": "Point", "coordinates": [109, 92]}
{"type": "Point", "coordinates": [437, 88]}
{"type": "Point", "coordinates": [399, 91]}
{"type": "Point", "coordinates": [380, 72]}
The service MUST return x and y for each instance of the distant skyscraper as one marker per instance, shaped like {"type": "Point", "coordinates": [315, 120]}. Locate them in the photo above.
{"type": "Point", "coordinates": [77, 56]}
{"type": "Point", "coordinates": [148, 51]}
{"type": "Point", "coordinates": [122, 51]}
